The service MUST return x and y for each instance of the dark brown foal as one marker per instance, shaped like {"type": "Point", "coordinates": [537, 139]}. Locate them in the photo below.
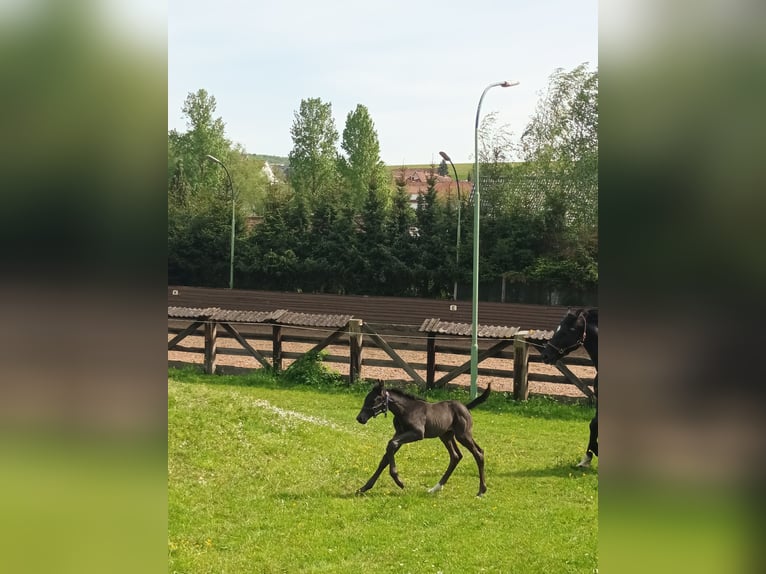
{"type": "Point", "coordinates": [416, 419]}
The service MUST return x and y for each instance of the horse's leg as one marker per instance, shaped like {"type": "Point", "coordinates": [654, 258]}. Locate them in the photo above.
{"type": "Point", "coordinates": [467, 441]}
{"type": "Point", "coordinates": [454, 458]}
{"type": "Point", "coordinates": [388, 459]}
{"type": "Point", "coordinates": [373, 479]}
{"type": "Point", "coordinates": [592, 444]}
{"type": "Point", "coordinates": [394, 445]}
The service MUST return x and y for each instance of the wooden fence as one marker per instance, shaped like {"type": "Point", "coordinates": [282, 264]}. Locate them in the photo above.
{"type": "Point", "coordinates": [433, 339]}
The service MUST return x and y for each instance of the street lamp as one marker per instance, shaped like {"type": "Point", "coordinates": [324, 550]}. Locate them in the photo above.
{"type": "Point", "coordinates": [231, 187]}
{"type": "Point", "coordinates": [445, 157]}
{"type": "Point", "coordinates": [476, 203]}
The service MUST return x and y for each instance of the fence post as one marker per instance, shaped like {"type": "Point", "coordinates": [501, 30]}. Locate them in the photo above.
{"type": "Point", "coordinates": [276, 348]}
{"type": "Point", "coordinates": [431, 361]}
{"type": "Point", "coordinates": [355, 350]}
{"type": "Point", "coordinates": [211, 335]}
{"type": "Point", "coordinates": [520, 368]}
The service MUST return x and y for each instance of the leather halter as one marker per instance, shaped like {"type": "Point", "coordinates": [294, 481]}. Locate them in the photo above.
{"type": "Point", "coordinates": [577, 343]}
{"type": "Point", "coordinates": [381, 408]}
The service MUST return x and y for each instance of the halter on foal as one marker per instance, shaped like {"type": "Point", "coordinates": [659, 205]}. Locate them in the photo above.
{"type": "Point", "coordinates": [577, 328]}
{"type": "Point", "coordinates": [416, 419]}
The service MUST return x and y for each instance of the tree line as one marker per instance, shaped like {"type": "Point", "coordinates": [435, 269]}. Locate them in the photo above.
{"type": "Point", "coordinates": [338, 222]}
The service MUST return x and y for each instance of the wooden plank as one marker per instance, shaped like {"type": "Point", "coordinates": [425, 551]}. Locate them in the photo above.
{"type": "Point", "coordinates": [355, 347]}
{"type": "Point", "coordinates": [520, 369]}
{"type": "Point", "coordinates": [465, 367]}
{"type": "Point", "coordinates": [578, 361]}
{"type": "Point", "coordinates": [329, 340]}
{"type": "Point", "coordinates": [211, 330]}
{"type": "Point", "coordinates": [430, 360]}
{"type": "Point", "coordinates": [183, 334]}
{"type": "Point", "coordinates": [194, 350]}
{"type": "Point", "coordinates": [241, 340]}
{"type": "Point", "coordinates": [391, 353]}
{"type": "Point", "coordinates": [572, 378]}
{"type": "Point", "coordinates": [276, 347]}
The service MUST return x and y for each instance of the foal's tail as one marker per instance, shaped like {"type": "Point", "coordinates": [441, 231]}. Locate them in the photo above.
{"type": "Point", "coordinates": [480, 399]}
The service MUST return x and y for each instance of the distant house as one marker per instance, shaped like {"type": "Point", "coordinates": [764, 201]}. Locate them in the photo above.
{"type": "Point", "coordinates": [416, 184]}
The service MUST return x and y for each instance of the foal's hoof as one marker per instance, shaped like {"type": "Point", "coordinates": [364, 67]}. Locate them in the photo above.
{"type": "Point", "coordinates": [436, 488]}
{"type": "Point", "coordinates": [360, 492]}
{"type": "Point", "coordinates": [584, 463]}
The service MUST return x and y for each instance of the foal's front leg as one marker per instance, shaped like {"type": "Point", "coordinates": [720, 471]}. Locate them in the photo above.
{"type": "Point", "coordinates": [388, 459]}
{"type": "Point", "coordinates": [373, 479]}
{"type": "Point", "coordinates": [592, 444]}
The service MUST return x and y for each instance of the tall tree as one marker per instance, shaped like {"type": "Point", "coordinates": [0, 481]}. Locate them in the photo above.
{"type": "Point", "coordinates": [401, 241]}
{"type": "Point", "coordinates": [270, 258]}
{"type": "Point", "coordinates": [560, 147]}
{"type": "Point", "coordinates": [561, 141]}
{"type": "Point", "coordinates": [205, 135]}
{"type": "Point", "coordinates": [495, 151]}
{"type": "Point", "coordinates": [313, 159]}
{"type": "Point", "coordinates": [435, 246]}
{"type": "Point", "coordinates": [373, 246]}
{"type": "Point", "coordinates": [250, 182]}
{"type": "Point", "coordinates": [361, 166]}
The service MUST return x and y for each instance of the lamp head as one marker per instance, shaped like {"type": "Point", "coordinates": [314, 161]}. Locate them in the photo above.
{"type": "Point", "coordinates": [445, 157]}
{"type": "Point", "coordinates": [215, 159]}
{"type": "Point", "coordinates": [508, 84]}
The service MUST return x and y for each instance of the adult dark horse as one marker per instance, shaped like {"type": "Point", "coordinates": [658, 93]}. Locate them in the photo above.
{"type": "Point", "coordinates": [578, 327]}
{"type": "Point", "coordinates": [416, 419]}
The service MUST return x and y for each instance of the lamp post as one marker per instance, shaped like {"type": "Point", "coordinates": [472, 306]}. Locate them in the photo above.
{"type": "Point", "coordinates": [475, 282]}
{"type": "Point", "coordinates": [445, 157]}
{"type": "Point", "coordinates": [231, 187]}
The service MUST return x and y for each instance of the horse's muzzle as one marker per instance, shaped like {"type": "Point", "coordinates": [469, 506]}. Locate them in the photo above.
{"type": "Point", "coordinates": [362, 418]}
{"type": "Point", "coordinates": [549, 356]}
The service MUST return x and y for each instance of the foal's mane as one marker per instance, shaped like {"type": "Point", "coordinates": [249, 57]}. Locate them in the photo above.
{"type": "Point", "coordinates": [405, 394]}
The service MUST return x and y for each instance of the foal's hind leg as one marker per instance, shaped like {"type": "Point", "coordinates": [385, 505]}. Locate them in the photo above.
{"type": "Point", "coordinates": [467, 441]}
{"type": "Point", "coordinates": [454, 458]}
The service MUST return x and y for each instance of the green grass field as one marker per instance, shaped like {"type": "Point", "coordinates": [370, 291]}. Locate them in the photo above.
{"type": "Point", "coordinates": [262, 478]}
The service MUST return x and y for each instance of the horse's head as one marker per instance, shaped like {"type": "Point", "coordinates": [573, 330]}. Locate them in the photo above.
{"type": "Point", "coordinates": [569, 335]}
{"type": "Point", "coordinates": [375, 402]}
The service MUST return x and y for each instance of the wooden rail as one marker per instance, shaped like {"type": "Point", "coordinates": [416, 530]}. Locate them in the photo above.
{"type": "Point", "coordinates": [356, 335]}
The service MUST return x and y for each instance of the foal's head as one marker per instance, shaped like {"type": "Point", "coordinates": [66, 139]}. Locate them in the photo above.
{"type": "Point", "coordinates": [375, 403]}
{"type": "Point", "coordinates": [569, 335]}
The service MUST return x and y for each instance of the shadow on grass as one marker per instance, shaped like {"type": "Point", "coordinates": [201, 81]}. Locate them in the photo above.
{"type": "Point", "coordinates": [560, 471]}
{"type": "Point", "coordinates": [341, 493]}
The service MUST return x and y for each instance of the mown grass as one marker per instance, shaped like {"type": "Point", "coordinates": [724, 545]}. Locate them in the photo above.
{"type": "Point", "coordinates": [262, 475]}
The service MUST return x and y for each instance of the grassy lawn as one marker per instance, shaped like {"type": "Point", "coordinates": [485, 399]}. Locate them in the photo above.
{"type": "Point", "coordinates": [262, 476]}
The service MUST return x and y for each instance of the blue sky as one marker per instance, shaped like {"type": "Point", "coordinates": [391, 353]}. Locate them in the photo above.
{"type": "Point", "coordinates": [418, 66]}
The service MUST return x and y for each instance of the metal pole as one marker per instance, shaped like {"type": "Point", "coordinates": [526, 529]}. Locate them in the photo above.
{"type": "Point", "coordinates": [459, 203]}
{"type": "Point", "coordinates": [233, 219]}
{"type": "Point", "coordinates": [475, 278]}
{"type": "Point", "coordinates": [233, 223]}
